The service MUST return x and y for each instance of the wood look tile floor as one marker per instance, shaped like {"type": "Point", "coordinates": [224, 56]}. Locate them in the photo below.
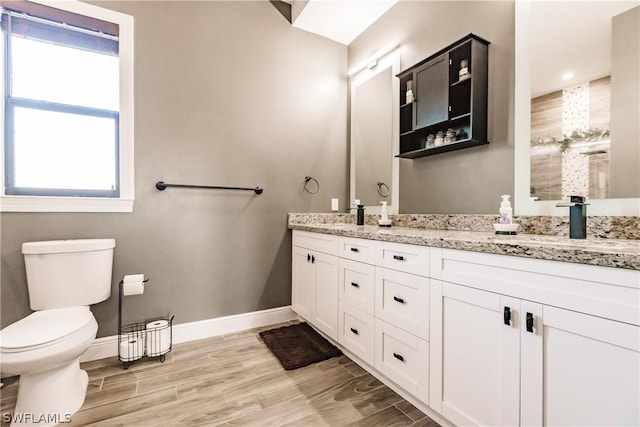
{"type": "Point", "coordinates": [233, 380]}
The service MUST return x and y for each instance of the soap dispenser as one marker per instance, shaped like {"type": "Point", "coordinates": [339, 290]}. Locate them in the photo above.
{"type": "Point", "coordinates": [384, 220]}
{"type": "Point", "coordinates": [506, 213]}
{"type": "Point", "coordinates": [360, 215]}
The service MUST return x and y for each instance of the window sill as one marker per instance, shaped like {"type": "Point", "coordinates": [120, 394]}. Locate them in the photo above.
{"type": "Point", "coordinates": [64, 204]}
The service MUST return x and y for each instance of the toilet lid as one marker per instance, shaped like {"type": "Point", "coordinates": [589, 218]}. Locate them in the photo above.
{"type": "Point", "coordinates": [44, 326]}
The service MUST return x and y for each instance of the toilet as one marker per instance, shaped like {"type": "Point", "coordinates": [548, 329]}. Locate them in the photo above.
{"type": "Point", "coordinates": [63, 278]}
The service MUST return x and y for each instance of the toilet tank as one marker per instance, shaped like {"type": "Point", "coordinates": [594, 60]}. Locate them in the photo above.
{"type": "Point", "coordinates": [68, 273]}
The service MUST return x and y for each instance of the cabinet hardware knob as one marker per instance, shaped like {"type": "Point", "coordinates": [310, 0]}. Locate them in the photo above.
{"type": "Point", "coordinates": [355, 250]}
{"type": "Point", "coordinates": [529, 322]}
{"type": "Point", "coordinates": [355, 285]}
{"type": "Point", "coordinates": [398, 356]}
{"type": "Point", "coordinates": [400, 300]}
{"type": "Point", "coordinates": [355, 331]}
{"type": "Point", "coordinates": [507, 316]}
{"type": "Point", "coordinates": [398, 257]}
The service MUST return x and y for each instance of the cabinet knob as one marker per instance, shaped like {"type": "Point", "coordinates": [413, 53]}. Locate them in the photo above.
{"type": "Point", "coordinates": [398, 356]}
{"type": "Point", "coordinates": [529, 322]}
{"type": "Point", "coordinates": [355, 331]}
{"type": "Point", "coordinates": [506, 314]}
{"type": "Point", "coordinates": [398, 299]}
{"type": "Point", "coordinates": [355, 285]}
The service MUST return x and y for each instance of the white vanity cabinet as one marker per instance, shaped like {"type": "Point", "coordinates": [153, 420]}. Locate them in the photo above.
{"type": "Point", "coordinates": [314, 293]}
{"type": "Point", "coordinates": [481, 339]}
{"type": "Point", "coordinates": [528, 342]}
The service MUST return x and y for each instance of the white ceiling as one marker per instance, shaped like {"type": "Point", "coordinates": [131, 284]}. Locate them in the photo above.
{"type": "Point", "coordinates": [340, 20]}
{"type": "Point", "coordinates": [571, 36]}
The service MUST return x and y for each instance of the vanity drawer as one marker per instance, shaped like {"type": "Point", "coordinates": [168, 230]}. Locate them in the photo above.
{"type": "Point", "coordinates": [402, 300]}
{"type": "Point", "coordinates": [326, 243]}
{"type": "Point", "coordinates": [356, 331]}
{"type": "Point", "coordinates": [407, 258]}
{"type": "Point", "coordinates": [357, 284]}
{"type": "Point", "coordinates": [362, 250]}
{"type": "Point", "coordinates": [404, 358]}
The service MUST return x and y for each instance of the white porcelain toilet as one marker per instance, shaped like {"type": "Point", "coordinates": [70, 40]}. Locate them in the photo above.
{"type": "Point", "coordinates": [63, 277]}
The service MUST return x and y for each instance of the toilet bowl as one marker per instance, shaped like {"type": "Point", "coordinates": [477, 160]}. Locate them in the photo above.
{"type": "Point", "coordinates": [63, 278]}
{"type": "Point", "coordinates": [44, 349]}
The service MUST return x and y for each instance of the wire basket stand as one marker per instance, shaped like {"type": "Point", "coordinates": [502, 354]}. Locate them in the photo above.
{"type": "Point", "coordinates": [143, 339]}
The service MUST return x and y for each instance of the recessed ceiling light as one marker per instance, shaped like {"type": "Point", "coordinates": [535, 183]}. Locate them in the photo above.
{"type": "Point", "coordinates": [568, 75]}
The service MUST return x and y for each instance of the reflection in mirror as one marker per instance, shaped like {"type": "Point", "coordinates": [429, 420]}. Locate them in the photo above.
{"type": "Point", "coordinates": [374, 135]}
{"type": "Point", "coordinates": [584, 100]}
{"type": "Point", "coordinates": [580, 135]}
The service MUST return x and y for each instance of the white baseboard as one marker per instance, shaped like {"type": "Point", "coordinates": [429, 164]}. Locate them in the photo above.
{"type": "Point", "coordinates": [184, 332]}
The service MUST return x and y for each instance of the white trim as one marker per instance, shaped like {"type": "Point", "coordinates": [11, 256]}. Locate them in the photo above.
{"type": "Point", "coordinates": [185, 332]}
{"type": "Point", "coordinates": [127, 185]}
{"type": "Point", "coordinates": [64, 204]}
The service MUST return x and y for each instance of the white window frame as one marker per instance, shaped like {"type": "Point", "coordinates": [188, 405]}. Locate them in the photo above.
{"type": "Point", "coordinates": [124, 203]}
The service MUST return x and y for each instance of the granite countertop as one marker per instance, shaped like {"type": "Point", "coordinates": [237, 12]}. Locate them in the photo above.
{"type": "Point", "coordinates": [618, 253]}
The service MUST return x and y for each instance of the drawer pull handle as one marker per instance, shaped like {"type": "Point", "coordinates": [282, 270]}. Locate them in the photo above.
{"type": "Point", "coordinates": [398, 356]}
{"type": "Point", "coordinates": [355, 331]}
{"type": "Point", "coordinates": [355, 285]}
{"type": "Point", "coordinates": [313, 259]}
{"type": "Point", "coordinates": [308, 257]}
{"type": "Point", "coordinates": [398, 257]}
{"type": "Point", "coordinates": [400, 300]}
{"type": "Point", "coordinates": [355, 250]}
{"type": "Point", "coordinates": [530, 322]}
{"type": "Point", "coordinates": [506, 315]}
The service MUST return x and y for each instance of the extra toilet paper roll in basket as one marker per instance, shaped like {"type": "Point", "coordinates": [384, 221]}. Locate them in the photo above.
{"type": "Point", "coordinates": [131, 349]}
{"type": "Point", "coordinates": [158, 337]}
{"type": "Point", "coordinates": [133, 284]}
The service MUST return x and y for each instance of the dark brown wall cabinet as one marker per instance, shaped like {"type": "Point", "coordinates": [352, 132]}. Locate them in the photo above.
{"type": "Point", "coordinates": [450, 95]}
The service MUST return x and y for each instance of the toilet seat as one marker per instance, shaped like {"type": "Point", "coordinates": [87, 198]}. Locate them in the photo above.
{"type": "Point", "coordinates": [43, 328]}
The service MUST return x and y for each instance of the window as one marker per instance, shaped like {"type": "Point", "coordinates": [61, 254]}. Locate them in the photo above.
{"type": "Point", "coordinates": [68, 101]}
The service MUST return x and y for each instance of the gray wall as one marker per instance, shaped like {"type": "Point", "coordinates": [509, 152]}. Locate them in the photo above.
{"type": "Point", "coordinates": [469, 180]}
{"type": "Point", "coordinates": [227, 93]}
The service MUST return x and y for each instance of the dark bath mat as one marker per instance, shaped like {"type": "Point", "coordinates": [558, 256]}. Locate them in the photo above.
{"type": "Point", "coordinates": [298, 345]}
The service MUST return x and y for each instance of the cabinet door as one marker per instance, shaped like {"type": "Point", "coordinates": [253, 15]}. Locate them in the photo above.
{"type": "Point", "coordinates": [303, 284]}
{"type": "Point", "coordinates": [326, 294]}
{"type": "Point", "coordinates": [590, 374]}
{"type": "Point", "coordinates": [480, 357]}
{"type": "Point", "coordinates": [432, 92]}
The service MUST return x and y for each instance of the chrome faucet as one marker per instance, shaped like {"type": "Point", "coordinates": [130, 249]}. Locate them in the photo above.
{"type": "Point", "coordinates": [577, 216]}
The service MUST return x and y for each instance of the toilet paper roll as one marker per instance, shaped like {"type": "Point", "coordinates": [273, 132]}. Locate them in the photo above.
{"type": "Point", "coordinates": [133, 284]}
{"type": "Point", "coordinates": [158, 337]}
{"type": "Point", "coordinates": [132, 288]}
{"type": "Point", "coordinates": [131, 349]}
{"type": "Point", "coordinates": [133, 278]}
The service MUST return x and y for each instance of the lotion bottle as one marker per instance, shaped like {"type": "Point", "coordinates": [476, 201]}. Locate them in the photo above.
{"type": "Point", "coordinates": [506, 213]}
{"type": "Point", "coordinates": [384, 220]}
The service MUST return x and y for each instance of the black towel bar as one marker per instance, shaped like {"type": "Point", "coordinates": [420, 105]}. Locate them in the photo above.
{"type": "Point", "coordinates": [163, 185]}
